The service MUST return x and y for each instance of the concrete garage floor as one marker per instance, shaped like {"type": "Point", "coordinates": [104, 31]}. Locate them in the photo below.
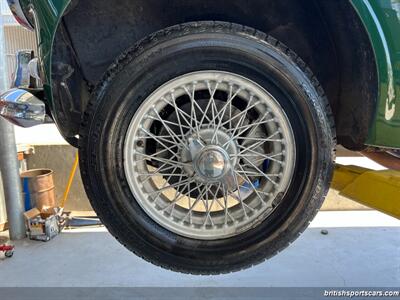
{"type": "Point", "coordinates": [362, 249]}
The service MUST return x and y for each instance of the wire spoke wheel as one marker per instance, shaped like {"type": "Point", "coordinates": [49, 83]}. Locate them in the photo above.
{"type": "Point", "coordinates": [209, 155]}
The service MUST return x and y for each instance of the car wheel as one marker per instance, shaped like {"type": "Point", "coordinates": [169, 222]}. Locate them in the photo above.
{"type": "Point", "coordinates": [208, 147]}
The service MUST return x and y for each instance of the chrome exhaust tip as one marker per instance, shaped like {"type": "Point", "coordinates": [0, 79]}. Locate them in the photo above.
{"type": "Point", "coordinates": [22, 108]}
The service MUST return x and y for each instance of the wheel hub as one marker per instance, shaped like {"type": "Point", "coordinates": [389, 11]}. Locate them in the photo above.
{"type": "Point", "coordinates": [211, 163]}
{"type": "Point", "coordinates": [209, 154]}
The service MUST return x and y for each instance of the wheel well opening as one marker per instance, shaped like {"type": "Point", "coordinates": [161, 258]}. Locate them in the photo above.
{"type": "Point", "coordinates": [327, 35]}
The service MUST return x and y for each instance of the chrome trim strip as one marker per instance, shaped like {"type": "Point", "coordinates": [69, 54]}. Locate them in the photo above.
{"type": "Point", "coordinates": [22, 108]}
{"type": "Point", "coordinates": [16, 9]}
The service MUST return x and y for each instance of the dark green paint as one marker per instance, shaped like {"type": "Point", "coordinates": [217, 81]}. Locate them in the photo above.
{"type": "Point", "coordinates": [380, 17]}
{"type": "Point", "coordinates": [382, 20]}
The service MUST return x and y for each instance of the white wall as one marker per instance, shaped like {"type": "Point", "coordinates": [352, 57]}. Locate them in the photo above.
{"type": "Point", "coordinates": [47, 134]}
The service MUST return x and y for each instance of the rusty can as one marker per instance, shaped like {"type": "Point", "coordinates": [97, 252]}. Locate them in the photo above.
{"type": "Point", "coordinates": [39, 188]}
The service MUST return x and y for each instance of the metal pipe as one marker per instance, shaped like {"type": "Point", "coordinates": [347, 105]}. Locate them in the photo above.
{"type": "Point", "coordinates": [11, 181]}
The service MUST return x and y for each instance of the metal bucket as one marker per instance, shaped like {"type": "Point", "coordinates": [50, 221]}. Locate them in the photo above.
{"type": "Point", "coordinates": [38, 188]}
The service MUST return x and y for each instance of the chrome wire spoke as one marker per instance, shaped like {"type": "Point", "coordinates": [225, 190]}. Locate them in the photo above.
{"type": "Point", "coordinates": [226, 211]}
{"type": "Point", "coordinates": [179, 196]}
{"type": "Point", "coordinates": [210, 102]}
{"type": "Point", "coordinates": [260, 192]}
{"type": "Point", "coordinates": [255, 174]}
{"type": "Point", "coordinates": [166, 148]}
{"type": "Point", "coordinates": [233, 131]}
{"type": "Point", "coordinates": [170, 131]}
{"type": "Point", "coordinates": [164, 138]}
{"type": "Point", "coordinates": [259, 154]}
{"type": "Point", "coordinates": [193, 106]}
{"type": "Point", "coordinates": [243, 113]}
{"type": "Point", "coordinates": [207, 207]}
{"type": "Point", "coordinates": [170, 123]}
{"type": "Point", "coordinates": [160, 174]}
{"type": "Point", "coordinates": [260, 142]}
{"type": "Point", "coordinates": [239, 198]}
{"type": "Point", "coordinates": [156, 172]}
{"type": "Point", "coordinates": [194, 102]}
{"type": "Point", "coordinates": [216, 149]}
{"type": "Point", "coordinates": [159, 159]}
{"type": "Point", "coordinates": [172, 186]}
{"type": "Point", "coordinates": [242, 205]}
{"type": "Point", "coordinates": [252, 126]}
{"type": "Point", "coordinates": [158, 138]}
{"type": "Point", "coordinates": [192, 206]}
{"type": "Point", "coordinates": [221, 113]}
{"type": "Point", "coordinates": [214, 112]}
{"type": "Point", "coordinates": [247, 179]}
{"type": "Point", "coordinates": [253, 139]}
{"type": "Point", "coordinates": [154, 155]}
{"type": "Point", "coordinates": [159, 191]}
{"type": "Point", "coordinates": [258, 160]}
{"type": "Point", "coordinates": [260, 172]}
{"type": "Point", "coordinates": [179, 112]}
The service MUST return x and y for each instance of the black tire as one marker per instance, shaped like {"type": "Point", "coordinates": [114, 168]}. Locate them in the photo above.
{"type": "Point", "coordinates": [9, 254]}
{"type": "Point", "coordinates": [176, 51]}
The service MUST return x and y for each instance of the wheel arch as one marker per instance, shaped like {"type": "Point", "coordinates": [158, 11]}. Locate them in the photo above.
{"type": "Point", "coordinates": [328, 35]}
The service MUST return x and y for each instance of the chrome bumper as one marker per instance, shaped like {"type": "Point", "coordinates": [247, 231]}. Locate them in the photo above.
{"type": "Point", "coordinates": [22, 108]}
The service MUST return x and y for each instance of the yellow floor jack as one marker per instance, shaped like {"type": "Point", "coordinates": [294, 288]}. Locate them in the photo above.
{"type": "Point", "coordinates": [379, 190]}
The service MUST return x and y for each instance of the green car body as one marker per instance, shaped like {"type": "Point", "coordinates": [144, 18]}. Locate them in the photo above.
{"type": "Point", "coordinates": [381, 19]}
